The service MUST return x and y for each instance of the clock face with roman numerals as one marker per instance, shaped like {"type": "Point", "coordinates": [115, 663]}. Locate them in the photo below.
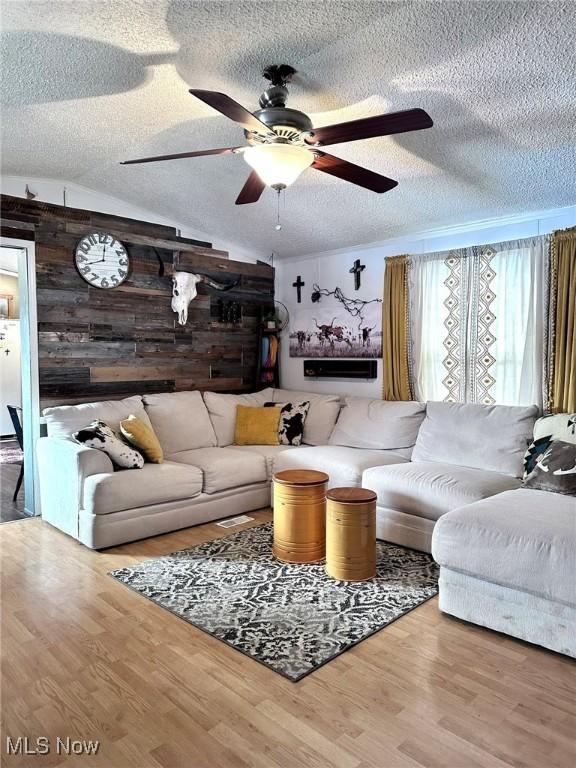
{"type": "Point", "coordinates": [102, 260]}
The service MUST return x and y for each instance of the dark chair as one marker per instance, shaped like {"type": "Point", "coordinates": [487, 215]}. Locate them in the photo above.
{"type": "Point", "coordinates": [14, 412]}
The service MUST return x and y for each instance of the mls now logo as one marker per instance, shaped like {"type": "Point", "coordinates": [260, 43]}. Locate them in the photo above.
{"type": "Point", "coordinates": [42, 745]}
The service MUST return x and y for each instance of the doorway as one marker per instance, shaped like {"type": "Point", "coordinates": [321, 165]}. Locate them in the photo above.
{"type": "Point", "coordinates": [19, 411]}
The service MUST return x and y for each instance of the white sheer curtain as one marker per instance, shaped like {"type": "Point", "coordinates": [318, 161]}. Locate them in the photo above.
{"type": "Point", "coordinates": [477, 322]}
{"type": "Point", "coordinates": [428, 295]}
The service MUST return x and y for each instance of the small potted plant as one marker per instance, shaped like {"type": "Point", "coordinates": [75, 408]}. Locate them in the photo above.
{"type": "Point", "coordinates": [271, 320]}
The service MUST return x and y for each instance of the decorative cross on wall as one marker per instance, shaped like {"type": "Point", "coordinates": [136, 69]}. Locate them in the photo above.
{"type": "Point", "coordinates": [299, 285]}
{"type": "Point", "coordinates": [357, 270]}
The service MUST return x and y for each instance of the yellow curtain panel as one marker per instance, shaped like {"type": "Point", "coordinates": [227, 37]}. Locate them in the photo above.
{"type": "Point", "coordinates": [395, 330]}
{"type": "Point", "coordinates": [563, 306]}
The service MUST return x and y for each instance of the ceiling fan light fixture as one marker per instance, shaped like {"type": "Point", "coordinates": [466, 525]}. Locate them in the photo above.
{"type": "Point", "coordinates": [278, 165]}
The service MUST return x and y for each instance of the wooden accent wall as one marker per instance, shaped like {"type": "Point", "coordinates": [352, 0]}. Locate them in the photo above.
{"type": "Point", "coordinates": [97, 344]}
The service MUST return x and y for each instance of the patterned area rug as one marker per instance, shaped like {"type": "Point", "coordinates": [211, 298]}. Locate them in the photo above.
{"type": "Point", "coordinates": [293, 618]}
{"type": "Point", "coordinates": [10, 453]}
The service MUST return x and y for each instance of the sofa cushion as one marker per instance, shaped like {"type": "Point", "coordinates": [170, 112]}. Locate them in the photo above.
{"type": "Point", "coordinates": [256, 426]}
{"type": "Point", "coordinates": [222, 410]}
{"type": "Point", "coordinates": [555, 469]}
{"type": "Point", "coordinates": [523, 539]}
{"type": "Point", "coordinates": [156, 484]}
{"type": "Point", "coordinates": [98, 435]}
{"type": "Point", "coordinates": [367, 423]}
{"type": "Point", "coordinates": [180, 420]}
{"type": "Point", "coordinates": [429, 489]}
{"type": "Point", "coordinates": [343, 465]}
{"type": "Point", "coordinates": [143, 438]}
{"type": "Point", "coordinates": [292, 420]}
{"type": "Point", "coordinates": [488, 437]}
{"type": "Point", "coordinates": [225, 468]}
{"type": "Point", "coordinates": [64, 420]}
{"type": "Point", "coordinates": [557, 426]}
{"type": "Point", "coordinates": [322, 414]}
{"type": "Point", "coordinates": [269, 452]}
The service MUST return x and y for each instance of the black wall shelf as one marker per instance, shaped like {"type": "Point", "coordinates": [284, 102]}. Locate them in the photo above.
{"type": "Point", "coordinates": [340, 369]}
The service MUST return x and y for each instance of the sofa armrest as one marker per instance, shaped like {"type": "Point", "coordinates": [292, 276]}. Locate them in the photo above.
{"type": "Point", "coordinates": [63, 465]}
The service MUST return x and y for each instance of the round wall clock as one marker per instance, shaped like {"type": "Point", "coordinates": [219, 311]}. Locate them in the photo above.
{"type": "Point", "coordinates": [102, 260]}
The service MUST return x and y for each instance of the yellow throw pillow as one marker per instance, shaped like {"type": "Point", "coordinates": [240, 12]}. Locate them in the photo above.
{"type": "Point", "coordinates": [141, 436]}
{"type": "Point", "coordinates": [256, 426]}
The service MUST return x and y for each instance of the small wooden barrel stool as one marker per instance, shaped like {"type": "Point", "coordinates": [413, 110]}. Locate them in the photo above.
{"type": "Point", "coordinates": [300, 515]}
{"type": "Point", "coordinates": [351, 534]}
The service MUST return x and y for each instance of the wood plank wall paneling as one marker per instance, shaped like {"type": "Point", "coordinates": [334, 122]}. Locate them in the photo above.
{"type": "Point", "coordinates": [96, 344]}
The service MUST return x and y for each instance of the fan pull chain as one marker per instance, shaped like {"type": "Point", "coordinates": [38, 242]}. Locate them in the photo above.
{"type": "Point", "coordinates": [278, 226]}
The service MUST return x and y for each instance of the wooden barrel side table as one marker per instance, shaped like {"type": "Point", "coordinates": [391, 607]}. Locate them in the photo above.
{"type": "Point", "coordinates": [300, 515]}
{"type": "Point", "coordinates": [351, 534]}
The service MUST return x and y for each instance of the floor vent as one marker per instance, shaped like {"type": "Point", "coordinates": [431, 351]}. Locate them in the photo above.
{"type": "Point", "coordinates": [232, 521]}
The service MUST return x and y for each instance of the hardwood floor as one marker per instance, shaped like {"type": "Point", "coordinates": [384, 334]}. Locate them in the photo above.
{"type": "Point", "coordinates": [85, 657]}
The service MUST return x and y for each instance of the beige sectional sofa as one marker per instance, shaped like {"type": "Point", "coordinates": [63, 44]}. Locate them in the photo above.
{"type": "Point", "coordinates": [421, 460]}
{"type": "Point", "coordinates": [204, 475]}
{"type": "Point", "coordinates": [447, 478]}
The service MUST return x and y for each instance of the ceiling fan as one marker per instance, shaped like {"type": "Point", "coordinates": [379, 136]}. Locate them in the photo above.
{"type": "Point", "coordinates": [282, 142]}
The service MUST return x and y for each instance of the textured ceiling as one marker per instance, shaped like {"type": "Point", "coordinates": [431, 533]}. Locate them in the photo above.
{"type": "Point", "coordinates": [87, 84]}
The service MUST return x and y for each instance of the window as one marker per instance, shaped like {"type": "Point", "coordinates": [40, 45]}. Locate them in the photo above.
{"type": "Point", "coordinates": [478, 320]}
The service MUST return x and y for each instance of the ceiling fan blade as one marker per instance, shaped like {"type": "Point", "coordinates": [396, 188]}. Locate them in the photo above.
{"type": "Point", "coordinates": [181, 155]}
{"type": "Point", "coordinates": [369, 127]}
{"type": "Point", "coordinates": [230, 108]}
{"type": "Point", "coordinates": [251, 191]}
{"type": "Point", "coordinates": [353, 173]}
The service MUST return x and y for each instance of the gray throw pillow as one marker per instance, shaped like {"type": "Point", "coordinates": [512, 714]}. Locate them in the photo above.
{"type": "Point", "coordinates": [99, 435]}
{"type": "Point", "coordinates": [555, 469]}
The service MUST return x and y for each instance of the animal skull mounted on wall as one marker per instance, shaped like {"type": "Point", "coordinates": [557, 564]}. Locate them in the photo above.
{"type": "Point", "coordinates": [185, 289]}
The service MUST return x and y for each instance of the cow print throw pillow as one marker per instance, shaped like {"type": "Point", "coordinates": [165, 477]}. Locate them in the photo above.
{"type": "Point", "coordinates": [292, 418]}
{"type": "Point", "coordinates": [555, 469]}
{"type": "Point", "coordinates": [99, 435]}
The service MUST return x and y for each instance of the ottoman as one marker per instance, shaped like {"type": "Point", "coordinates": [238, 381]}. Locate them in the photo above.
{"type": "Point", "coordinates": [509, 563]}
